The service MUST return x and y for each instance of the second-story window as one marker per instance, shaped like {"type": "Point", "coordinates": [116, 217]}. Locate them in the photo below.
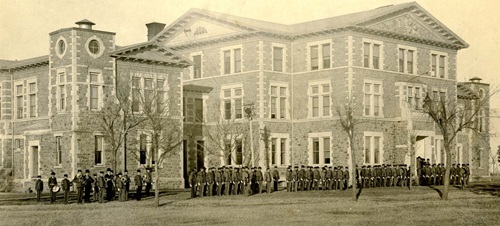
{"type": "Point", "coordinates": [94, 90]}
{"type": "Point", "coordinates": [319, 99]}
{"type": "Point", "coordinates": [62, 91]}
{"type": "Point", "coordinates": [372, 98]}
{"type": "Point", "coordinates": [32, 99]}
{"type": "Point", "coordinates": [136, 92]}
{"type": "Point", "coordinates": [232, 101]}
{"type": "Point", "coordinates": [278, 102]}
{"type": "Point", "coordinates": [278, 58]}
{"type": "Point", "coordinates": [193, 109]}
{"type": "Point", "coordinates": [197, 66]}
{"type": "Point", "coordinates": [438, 65]}
{"type": "Point", "coordinates": [231, 61]}
{"type": "Point", "coordinates": [406, 57]}
{"type": "Point", "coordinates": [19, 101]}
{"type": "Point", "coordinates": [372, 54]}
{"type": "Point", "coordinates": [160, 95]}
{"type": "Point", "coordinates": [320, 55]}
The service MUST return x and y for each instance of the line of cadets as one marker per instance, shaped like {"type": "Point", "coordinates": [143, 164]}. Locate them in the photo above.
{"type": "Point", "coordinates": [103, 186]}
{"type": "Point", "coordinates": [389, 175]}
{"type": "Point", "coordinates": [432, 174]}
{"type": "Point", "coordinates": [232, 181]}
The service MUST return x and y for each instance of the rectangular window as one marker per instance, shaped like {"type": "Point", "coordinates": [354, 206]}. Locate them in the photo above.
{"type": "Point", "coordinates": [227, 62]}
{"type": "Point", "coordinates": [406, 58]}
{"type": "Point", "coordinates": [372, 54]}
{"type": "Point", "coordinates": [409, 61]}
{"type": "Point", "coordinates": [193, 110]}
{"type": "Point", "coordinates": [283, 151]}
{"type": "Point", "coordinates": [32, 99]}
{"type": "Point", "coordinates": [198, 109]}
{"type": "Point", "coordinates": [278, 102]}
{"type": "Point", "coordinates": [19, 102]}
{"type": "Point", "coordinates": [62, 97]}
{"type": "Point", "coordinates": [326, 56]}
{"type": "Point", "coordinates": [227, 153]}
{"type": "Point", "coordinates": [239, 152]}
{"type": "Point", "coordinates": [401, 60]}
{"type": "Point", "coordinates": [410, 97]}
{"type": "Point", "coordinates": [160, 96]}
{"type": "Point", "coordinates": [277, 58]}
{"type": "Point", "coordinates": [438, 65]}
{"type": "Point", "coordinates": [418, 104]}
{"type": "Point", "coordinates": [373, 149]}
{"type": "Point", "coordinates": [232, 101]}
{"type": "Point", "coordinates": [197, 66]}
{"type": "Point", "coordinates": [441, 66]}
{"type": "Point", "coordinates": [136, 92]}
{"type": "Point", "coordinates": [434, 65]}
{"type": "Point", "coordinates": [315, 151]}
{"type": "Point", "coordinates": [326, 150]}
{"type": "Point", "coordinates": [94, 97]}
{"type": "Point", "coordinates": [237, 61]}
{"type": "Point", "coordinates": [273, 151]}
{"type": "Point", "coordinates": [320, 99]}
{"type": "Point", "coordinates": [142, 149]}
{"type": "Point", "coordinates": [373, 99]}
{"type": "Point", "coordinates": [98, 150]}
{"type": "Point", "coordinates": [58, 151]}
{"type": "Point", "coordinates": [314, 58]}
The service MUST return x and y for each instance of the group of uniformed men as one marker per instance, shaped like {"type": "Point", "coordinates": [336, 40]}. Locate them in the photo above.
{"type": "Point", "coordinates": [312, 178]}
{"type": "Point", "coordinates": [228, 180]}
{"type": "Point", "coordinates": [103, 185]}
{"type": "Point", "coordinates": [389, 175]}
{"type": "Point", "coordinates": [433, 174]}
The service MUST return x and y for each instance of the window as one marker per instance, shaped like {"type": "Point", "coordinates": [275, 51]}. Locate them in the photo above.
{"type": "Point", "coordinates": [197, 66]}
{"type": "Point", "coordinates": [62, 47]}
{"type": "Point", "coordinates": [373, 99]}
{"type": "Point", "coordinates": [231, 58]}
{"type": "Point", "coordinates": [142, 149]}
{"type": "Point", "coordinates": [438, 64]}
{"type": "Point", "coordinates": [98, 150]}
{"type": "Point", "coordinates": [94, 46]}
{"type": "Point", "coordinates": [406, 58]}
{"type": "Point", "coordinates": [277, 58]}
{"type": "Point", "coordinates": [19, 101]}
{"type": "Point", "coordinates": [233, 152]}
{"type": "Point", "coordinates": [481, 120]}
{"type": "Point", "coordinates": [320, 55]}
{"type": "Point", "coordinates": [319, 99]}
{"type": "Point", "coordinates": [232, 102]}
{"type": "Point", "coordinates": [279, 149]}
{"type": "Point", "coordinates": [373, 152]}
{"type": "Point", "coordinates": [58, 151]}
{"type": "Point", "coordinates": [320, 148]}
{"type": "Point", "coordinates": [372, 54]}
{"type": "Point", "coordinates": [94, 97]}
{"type": "Point", "coordinates": [200, 154]}
{"type": "Point", "coordinates": [279, 102]}
{"type": "Point", "coordinates": [136, 92]}
{"type": "Point", "coordinates": [193, 110]}
{"type": "Point", "coordinates": [412, 95]}
{"type": "Point", "coordinates": [239, 152]}
{"type": "Point", "coordinates": [160, 96]}
{"type": "Point", "coordinates": [32, 99]}
{"type": "Point", "coordinates": [62, 91]}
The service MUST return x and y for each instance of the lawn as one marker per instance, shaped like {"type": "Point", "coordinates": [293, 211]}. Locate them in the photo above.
{"type": "Point", "coordinates": [376, 206]}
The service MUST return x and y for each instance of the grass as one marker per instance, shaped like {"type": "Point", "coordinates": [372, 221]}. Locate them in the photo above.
{"type": "Point", "coordinates": [376, 206]}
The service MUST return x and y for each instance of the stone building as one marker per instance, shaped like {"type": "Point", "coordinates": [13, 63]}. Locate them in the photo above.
{"type": "Point", "coordinates": [248, 92]}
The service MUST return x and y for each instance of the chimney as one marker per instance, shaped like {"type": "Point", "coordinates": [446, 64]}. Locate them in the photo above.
{"type": "Point", "coordinates": [153, 29]}
{"type": "Point", "coordinates": [85, 24]}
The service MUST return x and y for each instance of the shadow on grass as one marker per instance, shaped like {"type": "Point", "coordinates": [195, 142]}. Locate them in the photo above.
{"type": "Point", "coordinates": [438, 191]}
{"type": "Point", "coordinates": [166, 203]}
{"type": "Point", "coordinates": [358, 194]}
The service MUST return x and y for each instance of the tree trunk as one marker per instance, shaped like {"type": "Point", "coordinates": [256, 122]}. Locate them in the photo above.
{"type": "Point", "coordinates": [412, 164]}
{"type": "Point", "coordinates": [353, 170]}
{"type": "Point", "coordinates": [157, 190]}
{"type": "Point", "coordinates": [447, 172]}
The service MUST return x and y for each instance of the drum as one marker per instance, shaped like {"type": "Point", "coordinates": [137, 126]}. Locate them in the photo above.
{"type": "Point", "coordinates": [56, 189]}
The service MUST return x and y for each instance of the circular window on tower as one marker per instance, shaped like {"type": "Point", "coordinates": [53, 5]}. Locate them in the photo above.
{"type": "Point", "coordinates": [60, 47]}
{"type": "Point", "coordinates": [95, 47]}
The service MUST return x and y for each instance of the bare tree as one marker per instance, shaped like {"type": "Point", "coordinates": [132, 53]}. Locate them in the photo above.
{"type": "Point", "coordinates": [348, 122]}
{"type": "Point", "coordinates": [451, 117]}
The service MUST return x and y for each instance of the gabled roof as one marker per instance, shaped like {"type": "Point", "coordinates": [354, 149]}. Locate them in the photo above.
{"type": "Point", "coordinates": [464, 92]}
{"type": "Point", "coordinates": [152, 53]}
{"type": "Point", "coordinates": [26, 63]}
{"type": "Point", "coordinates": [354, 21]}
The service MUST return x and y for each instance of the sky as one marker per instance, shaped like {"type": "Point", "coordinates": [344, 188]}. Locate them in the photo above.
{"type": "Point", "coordinates": [25, 24]}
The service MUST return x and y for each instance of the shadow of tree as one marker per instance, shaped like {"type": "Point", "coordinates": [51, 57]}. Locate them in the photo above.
{"type": "Point", "coordinates": [438, 191]}
{"type": "Point", "coordinates": [358, 194]}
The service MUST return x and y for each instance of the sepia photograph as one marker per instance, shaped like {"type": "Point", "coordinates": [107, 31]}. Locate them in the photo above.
{"type": "Point", "coordinates": [249, 112]}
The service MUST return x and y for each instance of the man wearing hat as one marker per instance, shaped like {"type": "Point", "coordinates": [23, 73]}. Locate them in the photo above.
{"type": "Point", "coordinates": [226, 178]}
{"type": "Point", "coordinates": [148, 179]}
{"type": "Point", "coordinates": [289, 180]}
{"type": "Point", "coordinates": [78, 182]}
{"type": "Point", "coordinates": [323, 178]}
{"type": "Point", "coordinates": [110, 193]}
{"type": "Point", "coordinates": [96, 188]}
{"type": "Point", "coordinates": [210, 177]}
{"type": "Point", "coordinates": [329, 178]}
{"type": "Point", "coordinates": [120, 186]}
{"type": "Point", "coordinates": [52, 183]}
{"type": "Point", "coordinates": [192, 183]}
{"type": "Point", "coordinates": [89, 181]}
{"type": "Point", "coordinates": [260, 179]}
{"type": "Point", "coordinates": [218, 181]}
{"type": "Point", "coordinates": [316, 178]}
{"type": "Point", "coordinates": [201, 179]}
{"type": "Point", "coordinates": [295, 179]}
{"type": "Point", "coordinates": [138, 185]}
{"type": "Point", "coordinates": [126, 184]}
{"type": "Point", "coordinates": [310, 178]}
{"type": "Point", "coordinates": [276, 178]}
{"type": "Point", "coordinates": [101, 183]}
{"type": "Point", "coordinates": [346, 177]}
{"type": "Point", "coordinates": [38, 187]}
{"type": "Point", "coordinates": [303, 178]}
{"type": "Point", "coordinates": [268, 177]}
{"type": "Point", "coordinates": [65, 184]}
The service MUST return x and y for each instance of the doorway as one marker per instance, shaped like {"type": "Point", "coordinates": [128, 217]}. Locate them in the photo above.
{"type": "Point", "coordinates": [34, 161]}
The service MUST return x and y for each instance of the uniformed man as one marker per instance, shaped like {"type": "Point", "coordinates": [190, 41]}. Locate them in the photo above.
{"type": "Point", "coordinates": [346, 177]}
{"type": "Point", "coordinates": [148, 179]}
{"type": "Point", "coordinates": [52, 182]}
{"type": "Point", "coordinates": [362, 174]}
{"type": "Point", "coordinates": [357, 172]}
{"type": "Point", "coordinates": [316, 178]}
{"type": "Point", "coordinates": [452, 174]}
{"type": "Point", "coordinates": [329, 178]}
{"type": "Point", "coordinates": [368, 177]}
{"type": "Point", "coordinates": [419, 170]}
{"type": "Point", "coordinates": [231, 172]}
{"type": "Point", "coordinates": [295, 179]}
{"type": "Point", "coordinates": [251, 181]}
{"type": "Point", "coordinates": [101, 183]}
{"type": "Point", "coordinates": [268, 177]}
{"type": "Point", "coordinates": [310, 178]}
{"type": "Point", "coordinates": [260, 179]}
{"type": "Point", "coordinates": [404, 175]}
{"type": "Point", "coordinates": [78, 181]}
{"type": "Point", "coordinates": [289, 179]}
{"type": "Point", "coordinates": [383, 175]}
{"type": "Point", "coordinates": [110, 193]}
{"type": "Point", "coordinates": [120, 187]}
{"type": "Point", "coordinates": [276, 178]}
{"type": "Point", "coordinates": [245, 180]}
{"type": "Point", "coordinates": [89, 182]}
{"type": "Point", "coordinates": [226, 180]}
{"type": "Point", "coordinates": [192, 183]}
{"type": "Point", "coordinates": [126, 184]}
{"type": "Point", "coordinates": [303, 178]}
{"type": "Point", "coordinates": [201, 179]}
{"type": "Point", "coordinates": [65, 184]}
{"type": "Point", "coordinates": [236, 179]}
{"type": "Point", "coordinates": [341, 178]}
{"type": "Point", "coordinates": [218, 180]}
{"type": "Point", "coordinates": [38, 187]}
{"type": "Point", "coordinates": [434, 174]}
{"type": "Point", "coordinates": [335, 178]}
{"type": "Point", "coordinates": [467, 174]}
{"type": "Point", "coordinates": [388, 178]}
{"type": "Point", "coordinates": [210, 177]}
{"type": "Point", "coordinates": [323, 178]}
{"type": "Point", "coordinates": [138, 185]}
{"type": "Point", "coordinates": [409, 174]}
